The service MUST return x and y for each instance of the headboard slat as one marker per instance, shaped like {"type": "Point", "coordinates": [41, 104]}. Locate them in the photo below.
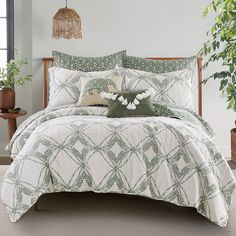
{"type": "Point", "coordinates": [47, 61]}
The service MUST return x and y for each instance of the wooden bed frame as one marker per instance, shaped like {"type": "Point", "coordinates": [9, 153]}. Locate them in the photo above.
{"type": "Point", "coordinates": [48, 61]}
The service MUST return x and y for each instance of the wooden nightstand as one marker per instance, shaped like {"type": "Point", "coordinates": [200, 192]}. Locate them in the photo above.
{"type": "Point", "coordinates": [11, 119]}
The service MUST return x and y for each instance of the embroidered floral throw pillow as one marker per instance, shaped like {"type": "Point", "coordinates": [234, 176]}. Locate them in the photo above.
{"type": "Point", "coordinates": [129, 104]}
{"type": "Point", "coordinates": [91, 89]}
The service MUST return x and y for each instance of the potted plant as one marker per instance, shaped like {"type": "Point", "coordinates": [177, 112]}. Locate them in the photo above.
{"type": "Point", "coordinates": [9, 76]}
{"type": "Point", "coordinates": [221, 47]}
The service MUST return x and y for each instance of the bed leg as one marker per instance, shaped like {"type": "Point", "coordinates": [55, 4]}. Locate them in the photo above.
{"type": "Point", "coordinates": [36, 206]}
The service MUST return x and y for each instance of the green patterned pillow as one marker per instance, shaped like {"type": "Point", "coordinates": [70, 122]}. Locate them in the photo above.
{"type": "Point", "coordinates": [159, 66]}
{"type": "Point", "coordinates": [88, 64]}
{"type": "Point", "coordinates": [129, 104]}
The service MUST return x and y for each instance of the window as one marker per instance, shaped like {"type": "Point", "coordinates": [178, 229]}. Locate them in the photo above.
{"type": "Point", "coordinates": [6, 31]}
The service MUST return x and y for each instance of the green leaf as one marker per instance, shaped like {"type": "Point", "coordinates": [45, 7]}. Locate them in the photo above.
{"type": "Point", "coordinates": [223, 83]}
{"type": "Point", "coordinates": [221, 46]}
{"type": "Point", "coordinates": [10, 73]}
{"type": "Point", "coordinates": [231, 68]}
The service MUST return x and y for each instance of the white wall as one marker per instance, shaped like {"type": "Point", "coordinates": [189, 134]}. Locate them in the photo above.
{"type": "Point", "coordinates": [23, 42]}
{"type": "Point", "coordinates": [144, 28]}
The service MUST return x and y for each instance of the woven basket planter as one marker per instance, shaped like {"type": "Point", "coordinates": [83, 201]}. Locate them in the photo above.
{"type": "Point", "coordinates": [233, 145]}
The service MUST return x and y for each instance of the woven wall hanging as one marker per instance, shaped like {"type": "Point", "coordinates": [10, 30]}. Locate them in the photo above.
{"type": "Point", "coordinates": [67, 24]}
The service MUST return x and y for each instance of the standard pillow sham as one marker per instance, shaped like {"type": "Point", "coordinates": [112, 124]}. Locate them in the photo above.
{"type": "Point", "coordinates": [173, 88]}
{"type": "Point", "coordinates": [88, 64]}
{"type": "Point", "coordinates": [129, 104]}
{"type": "Point", "coordinates": [91, 88]}
{"type": "Point", "coordinates": [65, 84]}
{"type": "Point", "coordinates": [159, 66]}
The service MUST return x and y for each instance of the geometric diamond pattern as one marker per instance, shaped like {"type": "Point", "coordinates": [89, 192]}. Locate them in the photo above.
{"type": "Point", "coordinates": [172, 88]}
{"type": "Point", "coordinates": [78, 149]}
{"type": "Point", "coordinates": [65, 85]}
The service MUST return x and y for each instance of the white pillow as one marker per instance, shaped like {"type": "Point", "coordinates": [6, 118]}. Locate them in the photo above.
{"type": "Point", "coordinates": [65, 84]}
{"type": "Point", "coordinates": [172, 88]}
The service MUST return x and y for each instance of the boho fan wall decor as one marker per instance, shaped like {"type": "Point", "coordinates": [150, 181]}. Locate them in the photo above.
{"type": "Point", "coordinates": [67, 24]}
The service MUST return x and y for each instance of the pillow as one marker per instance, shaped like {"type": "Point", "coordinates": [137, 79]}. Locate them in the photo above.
{"type": "Point", "coordinates": [128, 104]}
{"type": "Point", "coordinates": [88, 64]}
{"type": "Point", "coordinates": [91, 88]}
{"type": "Point", "coordinates": [159, 66]}
{"type": "Point", "coordinates": [64, 87]}
{"type": "Point", "coordinates": [171, 89]}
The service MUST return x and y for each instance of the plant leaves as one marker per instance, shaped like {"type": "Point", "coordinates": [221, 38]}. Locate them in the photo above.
{"type": "Point", "coordinates": [221, 46]}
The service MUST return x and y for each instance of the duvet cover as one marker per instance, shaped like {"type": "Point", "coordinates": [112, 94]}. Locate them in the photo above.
{"type": "Point", "coordinates": [170, 157]}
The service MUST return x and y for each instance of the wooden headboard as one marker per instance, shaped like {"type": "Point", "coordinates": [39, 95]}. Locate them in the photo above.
{"type": "Point", "coordinates": [48, 61]}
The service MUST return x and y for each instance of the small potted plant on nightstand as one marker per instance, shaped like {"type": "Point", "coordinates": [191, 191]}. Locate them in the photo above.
{"type": "Point", "coordinates": [9, 76]}
{"type": "Point", "coordinates": [221, 47]}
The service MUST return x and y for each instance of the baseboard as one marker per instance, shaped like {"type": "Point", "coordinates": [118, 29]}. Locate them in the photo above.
{"type": "Point", "coordinates": [5, 160]}
{"type": "Point", "coordinates": [232, 165]}
{"type": "Point", "coordinates": [3, 152]}
{"type": "Point", "coordinates": [4, 156]}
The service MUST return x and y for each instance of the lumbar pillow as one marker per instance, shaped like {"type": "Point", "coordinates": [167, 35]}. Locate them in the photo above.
{"type": "Point", "coordinates": [64, 87]}
{"type": "Point", "coordinates": [127, 104]}
{"type": "Point", "coordinates": [171, 89]}
{"type": "Point", "coordinates": [159, 66]}
{"type": "Point", "coordinates": [88, 64]}
{"type": "Point", "coordinates": [91, 88]}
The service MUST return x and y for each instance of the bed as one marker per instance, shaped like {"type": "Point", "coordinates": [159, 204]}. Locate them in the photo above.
{"type": "Point", "coordinates": [77, 149]}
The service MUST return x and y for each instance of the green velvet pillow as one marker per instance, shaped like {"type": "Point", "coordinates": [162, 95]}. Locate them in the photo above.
{"type": "Point", "coordinates": [88, 64]}
{"type": "Point", "coordinates": [159, 66]}
{"type": "Point", "coordinates": [129, 104]}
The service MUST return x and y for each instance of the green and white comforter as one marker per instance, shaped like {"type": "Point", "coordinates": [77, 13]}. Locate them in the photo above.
{"type": "Point", "coordinates": [78, 149]}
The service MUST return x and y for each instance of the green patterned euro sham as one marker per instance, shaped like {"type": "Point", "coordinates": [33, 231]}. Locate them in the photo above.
{"type": "Point", "coordinates": [77, 149]}
{"type": "Point", "coordinates": [88, 64]}
{"type": "Point", "coordinates": [159, 66]}
{"type": "Point", "coordinates": [65, 84]}
{"type": "Point", "coordinates": [172, 88]}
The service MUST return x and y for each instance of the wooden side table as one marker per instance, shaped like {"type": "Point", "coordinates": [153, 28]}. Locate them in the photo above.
{"type": "Point", "coordinates": [11, 119]}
